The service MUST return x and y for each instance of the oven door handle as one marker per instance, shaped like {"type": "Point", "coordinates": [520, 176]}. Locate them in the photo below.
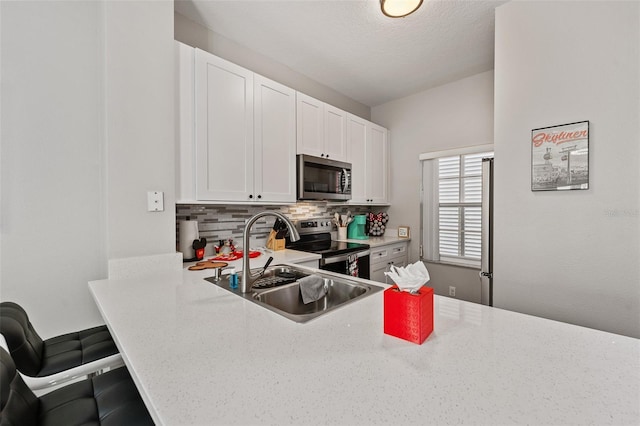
{"type": "Point", "coordinates": [346, 181]}
{"type": "Point", "coordinates": [343, 257]}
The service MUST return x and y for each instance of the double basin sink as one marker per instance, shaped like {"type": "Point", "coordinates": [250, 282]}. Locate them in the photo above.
{"type": "Point", "coordinates": [278, 290]}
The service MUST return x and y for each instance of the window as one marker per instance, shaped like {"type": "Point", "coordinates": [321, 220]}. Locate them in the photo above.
{"type": "Point", "coordinates": [453, 212]}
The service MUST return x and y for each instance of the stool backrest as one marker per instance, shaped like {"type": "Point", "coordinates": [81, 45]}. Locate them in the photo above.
{"type": "Point", "coordinates": [24, 344]}
{"type": "Point", "coordinates": [18, 404]}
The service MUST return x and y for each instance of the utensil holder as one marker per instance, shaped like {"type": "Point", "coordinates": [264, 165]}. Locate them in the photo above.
{"type": "Point", "coordinates": [342, 232]}
{"type": "Point", "coordinates": [273, 243]}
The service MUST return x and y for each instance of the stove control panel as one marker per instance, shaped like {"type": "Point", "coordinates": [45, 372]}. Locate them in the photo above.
{"type": "Point", "coordinates": [315, 225]}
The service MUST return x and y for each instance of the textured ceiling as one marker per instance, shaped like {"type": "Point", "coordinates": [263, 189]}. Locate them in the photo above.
{"type": "Point", "coordinates": [350, 46]}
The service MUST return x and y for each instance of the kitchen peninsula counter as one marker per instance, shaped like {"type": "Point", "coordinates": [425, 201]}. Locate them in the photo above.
{"type": "Point", "coordinates": [201, 356]}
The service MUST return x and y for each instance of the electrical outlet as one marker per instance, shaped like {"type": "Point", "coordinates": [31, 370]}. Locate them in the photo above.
{"type": "Point", "coordinates": [452, 291]}
{"type": "Point", "coordinates": [155, 201]}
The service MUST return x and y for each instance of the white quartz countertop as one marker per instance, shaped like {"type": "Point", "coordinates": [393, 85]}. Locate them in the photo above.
{"type": "Point", "coordinates": [379, 241]}
{"type": "Point", "coordinates": [201, 355]}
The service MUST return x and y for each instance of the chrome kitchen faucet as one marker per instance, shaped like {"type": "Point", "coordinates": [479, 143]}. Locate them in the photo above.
{"type": "Point", "coordinates": [248, 279]}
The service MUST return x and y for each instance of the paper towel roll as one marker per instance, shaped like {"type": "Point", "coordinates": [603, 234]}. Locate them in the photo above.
{"type": "Point", "coordinates": [188, 230]}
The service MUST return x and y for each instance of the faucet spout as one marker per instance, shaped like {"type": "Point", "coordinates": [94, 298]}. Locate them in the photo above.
{"type": "Point", "coordinates": [247, 279]}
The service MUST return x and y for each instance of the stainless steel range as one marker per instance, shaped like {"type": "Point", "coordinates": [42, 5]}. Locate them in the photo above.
{"type": "Point", "coordinates": [337, 256]}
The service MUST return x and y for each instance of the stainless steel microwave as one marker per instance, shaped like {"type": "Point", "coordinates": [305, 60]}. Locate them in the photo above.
{"type": "Point", "coordinates": [323, 179]}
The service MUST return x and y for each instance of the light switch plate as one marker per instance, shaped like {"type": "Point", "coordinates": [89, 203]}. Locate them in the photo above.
{"type": "Point", "coordinates": [155, 201]}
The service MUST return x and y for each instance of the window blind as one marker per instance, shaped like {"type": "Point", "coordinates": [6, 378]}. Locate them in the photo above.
{"type": "Point", "coordinates": [452, 194]}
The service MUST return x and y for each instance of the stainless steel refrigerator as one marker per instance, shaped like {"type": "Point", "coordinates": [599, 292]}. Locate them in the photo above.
{"type": "Point", "coordinates": [486, 271]}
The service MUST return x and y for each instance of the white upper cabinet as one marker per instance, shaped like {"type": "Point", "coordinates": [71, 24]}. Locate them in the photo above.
{"type": "Point", "coordinates": [321, 129]}
{"type": "Point", "coordinates": [238, 134]}
{"type": "Point", "coordinates": [377, 165]}
{"type": "Point", "coordinates": [335, 133]}
{"type": "Point", "coordinates": [310, 130]}
{"type": "Point", "coordinates": [368, 152]}
{"type": "Point", "coordinates": [184, 118]}
{"type": "Point", "coordinates": [224, 129]}
{"type": "Point", "coordinates": [275, 141]}
{"type": "Point", "coordinates": [243, 143]}
{"type": "Point", "coordinates": [357, 130]}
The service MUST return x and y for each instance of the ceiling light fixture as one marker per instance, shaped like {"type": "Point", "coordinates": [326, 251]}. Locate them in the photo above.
{"type": "Point", "coordinates": [399, 8]}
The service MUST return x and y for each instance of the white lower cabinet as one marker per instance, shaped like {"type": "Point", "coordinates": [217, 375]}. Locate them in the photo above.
{"type": "Point", "coordinates": [383, 257]}
{"type": "Point", "coordinates": [368, 152]}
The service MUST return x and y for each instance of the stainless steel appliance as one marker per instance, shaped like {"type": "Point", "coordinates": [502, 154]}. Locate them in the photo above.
{"type": "Point", "coordinates": [337, 256]}
{"type": "Point", "coordinates": [323, 179]}
{"type": "Point", "coordinates": [486, 271]}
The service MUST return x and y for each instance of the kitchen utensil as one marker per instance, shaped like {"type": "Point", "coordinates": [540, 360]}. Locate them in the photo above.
{"type": "Point", "coordinates": [337, 218]}
{"type": "Point", "coordinates": [266, 265]}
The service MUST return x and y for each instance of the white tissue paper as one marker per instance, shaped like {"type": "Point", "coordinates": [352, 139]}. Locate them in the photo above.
{"type": "Point", "coordinates": [409, 278]}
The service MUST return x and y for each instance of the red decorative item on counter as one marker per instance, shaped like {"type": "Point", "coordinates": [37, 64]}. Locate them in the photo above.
{"type": "Point", "coordinates": [408, 316]}
{"type": "Point", "coordinates": [235, 256]}
{"type": "Point", "coordinates": [198, 247]}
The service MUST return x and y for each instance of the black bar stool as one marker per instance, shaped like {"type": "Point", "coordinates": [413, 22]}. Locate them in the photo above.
{"type": "Point", "coordinates": [108, 399]}
{"type": "Point", "coordinates": [49, 362]}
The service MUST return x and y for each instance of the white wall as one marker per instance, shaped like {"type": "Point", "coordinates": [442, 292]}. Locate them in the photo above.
{"type": "Point", "coordinates": [140, 104]}
{"type": "Point", "coordinates": [196, 35]}
{"type": "Point", "coordinates": [53, 222]}
{"type": "Point", "coordinates": [570, 256]}
{"type": "Point", "coordinates": [87, 130]}
{"type": "Point", "coordinates": [454, 115]}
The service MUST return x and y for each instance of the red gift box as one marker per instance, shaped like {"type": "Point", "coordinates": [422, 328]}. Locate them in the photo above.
{"type": "Point", "coordinates": [408, 316]}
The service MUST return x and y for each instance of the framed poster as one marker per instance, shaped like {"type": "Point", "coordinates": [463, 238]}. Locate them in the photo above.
{"type": "Point", "coordinates": [560, 157]}
{"type": "Point", "coordinates": [404, 232]}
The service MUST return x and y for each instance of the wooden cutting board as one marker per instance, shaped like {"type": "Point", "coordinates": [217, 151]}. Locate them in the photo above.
{"type": "Point", "coordinates": [207, 265]}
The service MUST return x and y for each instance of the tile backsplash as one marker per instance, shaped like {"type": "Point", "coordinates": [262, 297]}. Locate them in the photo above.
{"type": "Point", "coordinates": [217, 222]}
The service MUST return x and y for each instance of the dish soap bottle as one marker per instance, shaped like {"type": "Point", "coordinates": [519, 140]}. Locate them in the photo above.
{"type": "Point", "coordinates": [233, 278]}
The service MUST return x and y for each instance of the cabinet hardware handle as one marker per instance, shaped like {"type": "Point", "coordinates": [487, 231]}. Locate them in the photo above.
{"type": "Point", "coordinates": [250, 195]}
{"type": "Point", "coordinates": [259, 196]}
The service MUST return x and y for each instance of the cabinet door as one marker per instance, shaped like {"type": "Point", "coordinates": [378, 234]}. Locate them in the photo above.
{"type": "Point", "coordinates": [357, 135]}
{"type": "Point", "coordinates": [377, 273]}
{"type": "Point", "coordinates": [377, 168]}
{"type": "Point", "coordinates": [335, 133]}
{"type": "Point", "coordinates": [224, 129]}
{"type": "Point", "coordinates": [184, 91]}
{"type": "Point", "coordinates": [274, 141]}
{"type": "Point", "coordinates": [310, 123]}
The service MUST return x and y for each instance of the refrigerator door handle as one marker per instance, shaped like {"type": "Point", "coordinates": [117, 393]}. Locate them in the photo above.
{"type": "Point", "coordinates": [486, 264]}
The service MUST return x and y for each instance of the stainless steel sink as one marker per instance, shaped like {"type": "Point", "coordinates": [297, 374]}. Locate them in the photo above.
{"type": "Point", "coordinates": [286, 299]}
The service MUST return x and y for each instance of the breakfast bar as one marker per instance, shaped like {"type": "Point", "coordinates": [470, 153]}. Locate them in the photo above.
{"type": "Point", "coordinates": [202, 355]}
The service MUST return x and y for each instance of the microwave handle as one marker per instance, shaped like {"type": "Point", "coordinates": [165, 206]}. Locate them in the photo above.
{"type": "Point", "coordinates": [346, 180]}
